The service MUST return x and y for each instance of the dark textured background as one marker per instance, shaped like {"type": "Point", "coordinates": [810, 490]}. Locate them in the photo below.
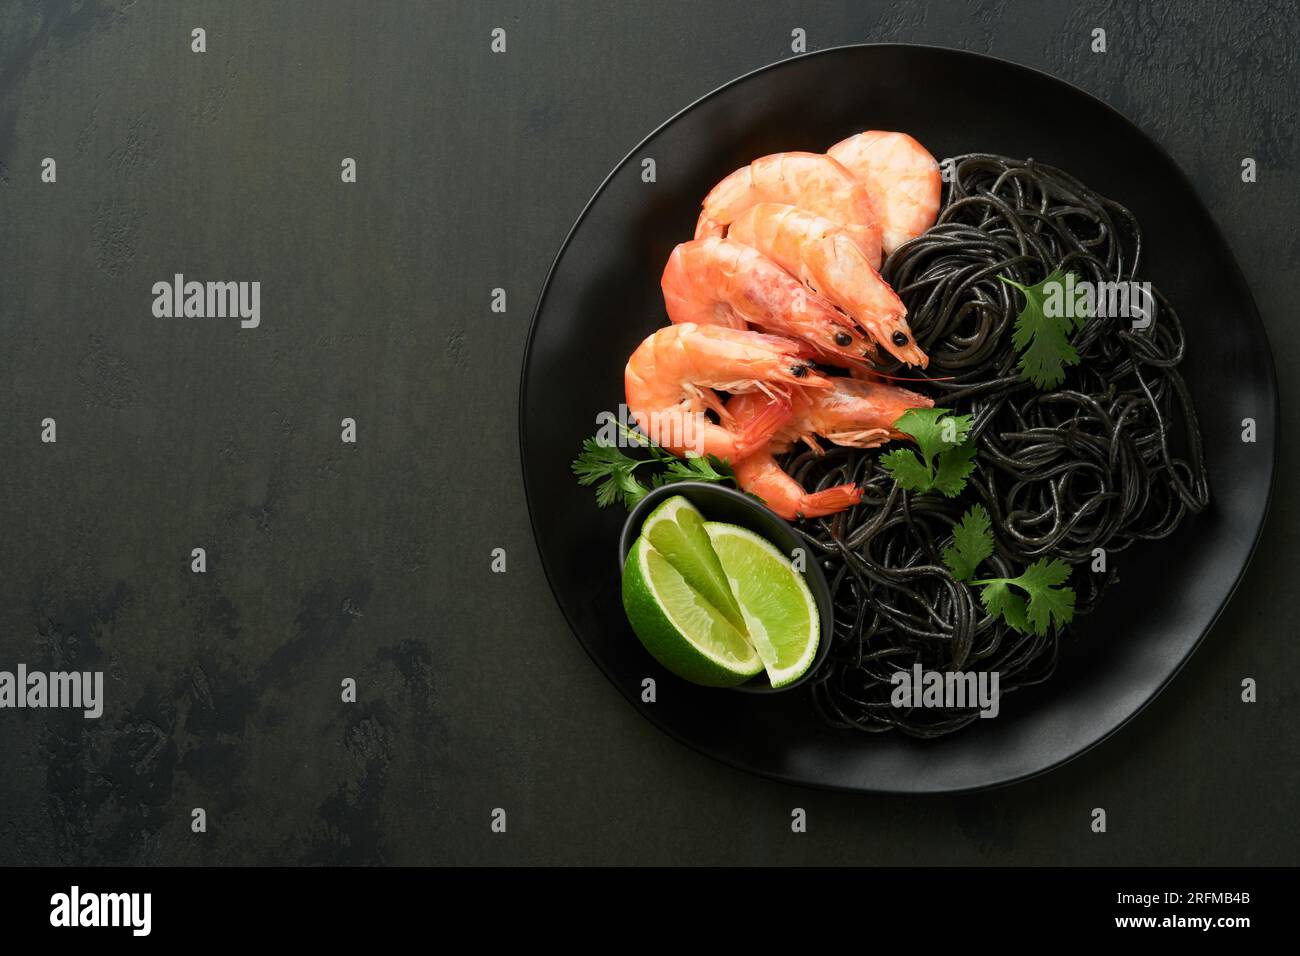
{"type": "Point", "coordinates": [371, 561]}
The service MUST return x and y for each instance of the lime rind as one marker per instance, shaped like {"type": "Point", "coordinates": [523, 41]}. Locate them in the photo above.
{"type": "Point", "coordinates": [680, 629]}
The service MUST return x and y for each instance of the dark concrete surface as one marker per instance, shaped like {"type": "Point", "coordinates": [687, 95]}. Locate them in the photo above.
{"type": "Point", "coordinates": [371, 560]}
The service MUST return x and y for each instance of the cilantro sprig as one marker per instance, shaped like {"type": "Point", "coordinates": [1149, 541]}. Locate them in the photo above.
{"type": "Point", "coordinates": [616, 472]}
{"type": "Point", "coordinates": [945, 457]}
{"type": "Point", "coordinates": [1042, 333]}
{"type": "Point", "coordinates": [1046, 602]}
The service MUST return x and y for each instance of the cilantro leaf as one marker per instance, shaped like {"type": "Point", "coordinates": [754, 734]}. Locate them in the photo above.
{"type": "Point", "coordinates": [999, 600]}
{"type": "Point", "coordinates": [1047, 604]}
{"type": "Point", "coordinates": [702, 468]}
{"type": "Point", "coordinates": [954, 468]}
{"type": "Point", "coordinates": [946, 457]}
{"type": "Point", "coordinates": [972, 542]}
{"type": "Point", "coordinates": [932, 434]}
{"type": "Point", "coordinates": [613, 471]}
{"type": "Point", "coordinates": [906, 469]}
{"type": "Point", "coordinates": [1042, 329]}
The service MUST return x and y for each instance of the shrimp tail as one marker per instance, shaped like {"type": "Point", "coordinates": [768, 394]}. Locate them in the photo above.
{"type": "Point", "coordinates": [761, 475]}
{"type": "Point", "coordinates": [830, 501]}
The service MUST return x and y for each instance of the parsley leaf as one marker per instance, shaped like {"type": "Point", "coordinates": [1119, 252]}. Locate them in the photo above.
{"type": "Point", "coordinates": [932, 435]}
{"type": "Point", "coordinates": [954, 468]}
{"type": "Point", "coordinates": [613, 471]}
{"type": "Point", "coordinates": [1042, 329]}
{"type": "Point", "coordinates": [906, 469]}
{"type": "Point", "coordinates": [704, 468]}
{"type": "Point", "coordinates": [1047, 604]}
{"type": "Point", "coordinates": [1000, 601]}
{"type": "Point", "coordinates": [945, 458]}
{"type": "Point", "coordinates": [972, 542]}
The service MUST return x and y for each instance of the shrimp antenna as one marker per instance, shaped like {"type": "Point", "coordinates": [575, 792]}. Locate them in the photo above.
{"type": "Point", "coordinates": [913, 378]}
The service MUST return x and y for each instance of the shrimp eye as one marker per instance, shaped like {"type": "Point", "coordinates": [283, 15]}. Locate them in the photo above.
{"type": "Point", "coordinates": [900, 338]}
{"type": "Point", "coordinates": [799, 371]}
{"type": "Point", "coordinates": [842, 339]}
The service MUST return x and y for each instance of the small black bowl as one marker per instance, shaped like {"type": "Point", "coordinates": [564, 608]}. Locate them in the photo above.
{"type": "Point", "coordinates": [717, 503]}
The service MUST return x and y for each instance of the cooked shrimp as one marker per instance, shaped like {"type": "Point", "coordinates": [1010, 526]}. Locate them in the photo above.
{"type": "Point", "coordinates": [760, 474]}
{"type": "Point", "coordinates": [902, 178]}
{"type": "Point", "coordinates": [672, 374]}
{"type": "Point", "coordinates": [719, 282]}
{"type": "Point", "coordinates": [824, 257]}
{"type": "Point", "coordinates": [808, 180]}
{"type": "Point", "coordinates": [850, 412]}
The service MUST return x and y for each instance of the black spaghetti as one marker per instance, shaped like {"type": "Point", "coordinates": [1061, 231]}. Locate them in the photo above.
{"type": "Point", "coordinates": [1110, 457]}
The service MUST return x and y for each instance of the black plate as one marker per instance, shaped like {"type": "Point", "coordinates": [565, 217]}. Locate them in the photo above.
{"type": "Point", "coordinates": [602, 297]}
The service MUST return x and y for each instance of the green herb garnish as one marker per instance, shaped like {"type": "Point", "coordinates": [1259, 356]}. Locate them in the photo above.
{"type": "Point", "coordinates": [1047, 603]}
{"type": "Point", "coordinates": [1042, 330]}
{"type": "Point", "coordinates": [972, 542]}
{"type": "Point", "coordinates": [616, 471]}
{"type": "Point", "coordinates": [946, 458]}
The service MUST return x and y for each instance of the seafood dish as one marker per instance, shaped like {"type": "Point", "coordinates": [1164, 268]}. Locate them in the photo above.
{"type": "Point", "coordinates": [953, 381]}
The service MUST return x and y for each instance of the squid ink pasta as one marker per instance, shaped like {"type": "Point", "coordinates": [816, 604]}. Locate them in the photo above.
{"type": "Point", "coordinates": [1110, 457]}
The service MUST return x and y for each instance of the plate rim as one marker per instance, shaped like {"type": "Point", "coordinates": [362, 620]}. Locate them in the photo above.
{"type": "Point", "coordinates": [1250, 303]}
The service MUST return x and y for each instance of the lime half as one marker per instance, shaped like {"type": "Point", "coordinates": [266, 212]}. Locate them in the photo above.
{"type": "Point", "coordinates": [676, 530]}
{"type": "Point", "coordinates": [780, 612]}
{"type": "Point", "coordinates": [682, 630]}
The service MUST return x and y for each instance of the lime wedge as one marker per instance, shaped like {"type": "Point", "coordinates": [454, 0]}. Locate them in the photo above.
{"type": "Point", "coordinates": [676, 530]}
{"type": "Point", "coordinates": [682, 630]}
{"type": "Point", "coordinates": [780, 613]}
